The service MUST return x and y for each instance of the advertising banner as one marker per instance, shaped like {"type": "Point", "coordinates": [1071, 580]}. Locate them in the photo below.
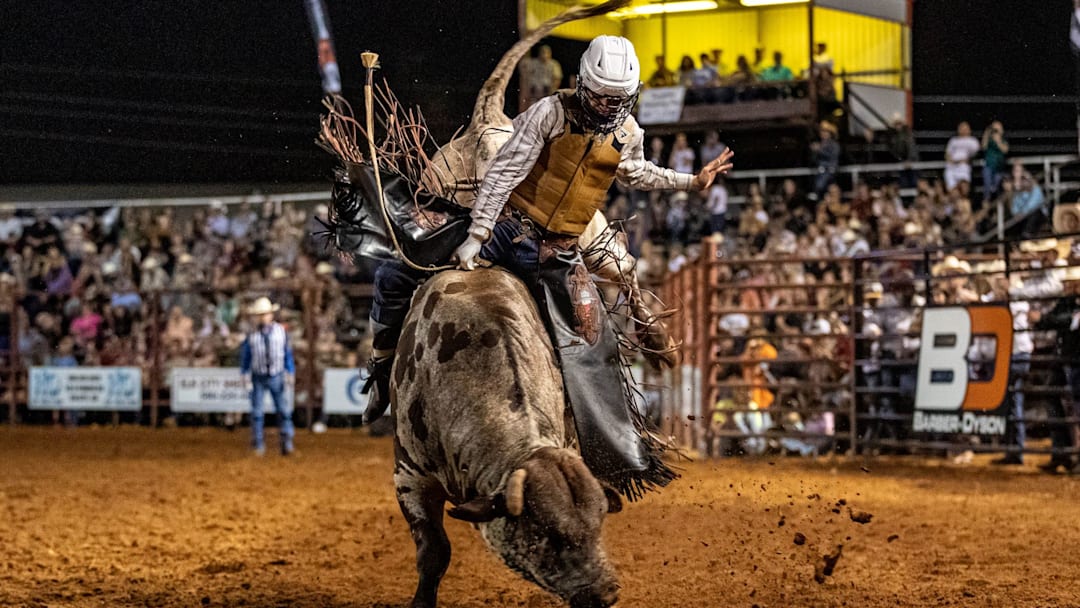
{"type": "Point", "coordinates": [964, 370]}
{"type": "Point", "coordinates": [661, 106]}
{"type": "Point", "coordinates": [214, 389]}
{"type": "Point", "coordinates": [341, 392]}
{"type": "Point", "coordinates": [86, 388]}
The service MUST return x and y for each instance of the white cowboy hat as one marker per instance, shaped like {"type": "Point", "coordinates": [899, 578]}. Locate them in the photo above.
{"type": "Point", "coordinates": [262, 306]}
{"type": "Point", "coordinates": [278, 273]}
{"type": "Point", "coordinates": [874, 291]}
{"type": "Point", "coordinates": [1072, 273]}
{"type": "Point", "coordinates": [185, 258]}
{"type": "Point", "coordinates": [951, 264]}
{"type": "Point", "coordinates": [1038, 245]}
{"type": "Point", "coordinates": [324, 268]}
{"type": "Point", "coordinates": [149, 263]}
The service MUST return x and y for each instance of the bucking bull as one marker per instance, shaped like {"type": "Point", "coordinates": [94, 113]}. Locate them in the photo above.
{"type": "Point", "coordinates": [481, 417]}
{"type": "Point", "coordinates": [481, 423]}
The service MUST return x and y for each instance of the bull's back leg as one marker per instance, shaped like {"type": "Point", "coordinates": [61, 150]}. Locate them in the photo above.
{"type": "Point", "coordinates": [422, 501]}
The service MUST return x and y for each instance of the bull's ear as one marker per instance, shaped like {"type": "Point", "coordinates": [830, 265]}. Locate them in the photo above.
{"type": "Point", "coordinates": [480, 509]}
{"type": "Point", "coordinates": [614, 501]}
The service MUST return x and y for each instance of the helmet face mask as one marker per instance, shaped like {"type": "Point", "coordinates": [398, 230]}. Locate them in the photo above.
{"type": "Point", "coordinates": [604, 113]}
{"type": "Point", "coordinates": [608, 82]}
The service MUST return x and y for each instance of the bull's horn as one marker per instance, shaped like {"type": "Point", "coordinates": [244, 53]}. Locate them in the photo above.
{"type": "Point", "coordinates": [515, 493]}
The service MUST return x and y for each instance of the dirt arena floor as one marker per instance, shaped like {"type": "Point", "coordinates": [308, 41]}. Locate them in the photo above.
{"type": "Point", "coordinates": [186, 517]}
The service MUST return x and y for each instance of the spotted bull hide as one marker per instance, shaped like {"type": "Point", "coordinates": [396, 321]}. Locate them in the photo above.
{"type": "Point", "coordinates": [481, 422]}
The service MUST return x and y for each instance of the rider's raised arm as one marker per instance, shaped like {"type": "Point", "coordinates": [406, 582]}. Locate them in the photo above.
{"type": "Point", "coordinates": [635, 171]}
{"type": "Point", "coordinates": [543, 121]}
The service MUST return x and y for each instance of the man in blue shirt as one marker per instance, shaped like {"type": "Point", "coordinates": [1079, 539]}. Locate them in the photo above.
{"type": "Point", "coordinates": [267, 364]}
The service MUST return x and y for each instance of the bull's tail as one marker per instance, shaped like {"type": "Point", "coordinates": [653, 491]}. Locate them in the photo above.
{"type": "Point", "coordinates": [489, 104]}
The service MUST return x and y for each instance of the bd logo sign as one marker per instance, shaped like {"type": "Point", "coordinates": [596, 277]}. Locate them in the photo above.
{"type": "Point", "coordinates": [963, 370]}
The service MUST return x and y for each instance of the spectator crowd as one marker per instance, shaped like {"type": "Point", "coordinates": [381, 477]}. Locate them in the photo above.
{"type": "Point", "coordinates": [121, 285]}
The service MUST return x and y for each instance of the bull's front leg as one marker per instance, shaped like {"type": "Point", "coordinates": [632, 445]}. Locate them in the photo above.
{"type": "Point", "coordinates": [422, 503]}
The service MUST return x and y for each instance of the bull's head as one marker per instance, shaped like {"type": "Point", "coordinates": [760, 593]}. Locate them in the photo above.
{"type": "Point", "coordinates": [546, 526]}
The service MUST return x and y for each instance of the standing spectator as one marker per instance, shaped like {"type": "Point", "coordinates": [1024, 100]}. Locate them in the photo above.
{"type": "Point", "coordinates": [266, 362]}
{"type": "Point", "coordinates": [994, 147]}
{"type": "Point", "coordinates": [11, 227]}
{"type": "Point", "coordinates": [58, 279]}
{"type": "Point", "coordinates": [662, 77]}
{"type": "Point", "coordinates": [826, 157]}
{"type": "Point", "coordinates": [1019, 367]}
{"type": "Point", "coordinates": [713, 147]}
{"type": "Point", "coordinates": [540, 75]}
{"type": "Point", "coordinates": [1064, 320]}
{"type": "Point", "coordinates": [900, 140]}
{"type": "Point", "coordinates": [961, 148]}
{"type": "Point", "coordinates": [682, 156]}
{"type": "Point", "coordinates": [716, 199]}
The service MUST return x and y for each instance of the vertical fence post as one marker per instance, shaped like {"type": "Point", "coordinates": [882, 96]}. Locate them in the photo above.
{"type": "Point", "coordinates": [854, 331]}
{"type": "Point", "coordinates": [14, 361]}
{"type": "Point", "coordinates": [155, 365]}
{"type": "Point", "coordinates": [311, 330]}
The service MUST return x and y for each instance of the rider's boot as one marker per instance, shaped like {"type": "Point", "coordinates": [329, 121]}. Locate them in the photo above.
{"type": "Point", "coordinates": [377, 385]}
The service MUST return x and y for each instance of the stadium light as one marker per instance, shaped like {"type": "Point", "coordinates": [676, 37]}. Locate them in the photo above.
{"type": "Point", "coordinates": [757, 3]}
{"type": "Point", "coordinates": [658, 8]}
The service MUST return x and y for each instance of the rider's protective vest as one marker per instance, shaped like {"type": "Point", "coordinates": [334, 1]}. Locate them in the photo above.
{"type": "Point", "coordinates": [570, 180]}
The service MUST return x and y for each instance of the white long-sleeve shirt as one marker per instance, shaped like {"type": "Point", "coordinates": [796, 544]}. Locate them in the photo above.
{"type": "Point", "coordinates": [543, 121]}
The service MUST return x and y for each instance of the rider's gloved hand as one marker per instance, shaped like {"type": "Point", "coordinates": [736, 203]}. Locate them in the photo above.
{"type": "Point", "coordinates": [468, 253]}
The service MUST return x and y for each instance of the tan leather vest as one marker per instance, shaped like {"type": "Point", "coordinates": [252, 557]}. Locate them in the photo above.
{"type": "Point", "coordinates": [570, 180]}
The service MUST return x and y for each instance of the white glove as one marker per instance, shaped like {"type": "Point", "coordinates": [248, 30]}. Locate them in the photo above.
{"type": "Point", "coordinates": [468, 253]}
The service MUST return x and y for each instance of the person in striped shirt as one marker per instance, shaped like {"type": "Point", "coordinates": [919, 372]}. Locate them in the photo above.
{"type": "Point", "coordinates": [267, 364]}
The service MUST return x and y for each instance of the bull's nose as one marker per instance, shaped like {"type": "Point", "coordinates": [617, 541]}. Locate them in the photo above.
{"type": "Point", "coordinates": [599, 596]}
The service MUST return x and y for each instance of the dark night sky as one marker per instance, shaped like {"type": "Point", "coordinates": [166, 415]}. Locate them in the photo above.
{"type": "Point", "coordinates": [157, 91]}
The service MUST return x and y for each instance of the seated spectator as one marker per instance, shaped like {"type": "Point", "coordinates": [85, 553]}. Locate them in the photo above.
{"type": "Point", "coordinates": [125, 296]}
{"type": "Point", "coordinates": [686, 71]}
{"type": "Point", "coordinates": [42, 234]}
{"type": "Point", "coordinates": [1027, 199]}
{"type": "Point", "coordinates": [58, 279]}
{"type": "Point", "coordinates": [662, 76]}
{"type": "Point", "coordinates": [11, 227]}
{"type": "Point", "coordinates": [86, 327]}
{"type": "Point", "coordinates": [179, 330]}
{"type": "Point", "coordinates": [154, 277]}
{"type": "Point", "coordinates": [242, 221]}
{"type": "Point", "coordinates": [743, 73]}
{"type": "Point", "coordinates": [777, 72]}
{"type": "Point", "coordinates": [217, 222]}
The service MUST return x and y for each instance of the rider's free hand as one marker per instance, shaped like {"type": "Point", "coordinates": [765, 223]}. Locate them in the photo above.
{"type": "Point", "coordinates": [718, 166]}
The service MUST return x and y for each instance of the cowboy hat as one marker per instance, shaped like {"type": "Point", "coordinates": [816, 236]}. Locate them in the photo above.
{"type": "Point", "coordinates": [262, 306]}
{"type": "Point", "coordinates": [149, 263]}
{"type": "Point", "coordinates": [951, 265]}
{"type": "Point", "coordinates": [828, 126]}
{"type": "Point", "coordinates": [1072, 273]}
{"type": "Point", "coordinates": [1039, 245]}
{"type": "Point", "coordinates": [185, 258]}
{"type": "Point", "coordinates": [324, 268]}
{"type": "Point", "coordinates": [278, 273]}
{"type": "Point", "coordinates": [874, 291]}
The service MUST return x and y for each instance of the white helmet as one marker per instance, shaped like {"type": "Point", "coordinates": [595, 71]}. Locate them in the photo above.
{"type": "Point", "coordinates": [609, 79]}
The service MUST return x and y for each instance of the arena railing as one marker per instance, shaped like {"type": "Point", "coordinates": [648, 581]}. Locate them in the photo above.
{"type": "Point", "coordinates": [863, 376]}
{"type": "Point", "coordinates": [14, 375]}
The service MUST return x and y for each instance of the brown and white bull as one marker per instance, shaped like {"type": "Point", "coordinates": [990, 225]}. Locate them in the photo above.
{"type": "Point", "coordinates": [481, 422]}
